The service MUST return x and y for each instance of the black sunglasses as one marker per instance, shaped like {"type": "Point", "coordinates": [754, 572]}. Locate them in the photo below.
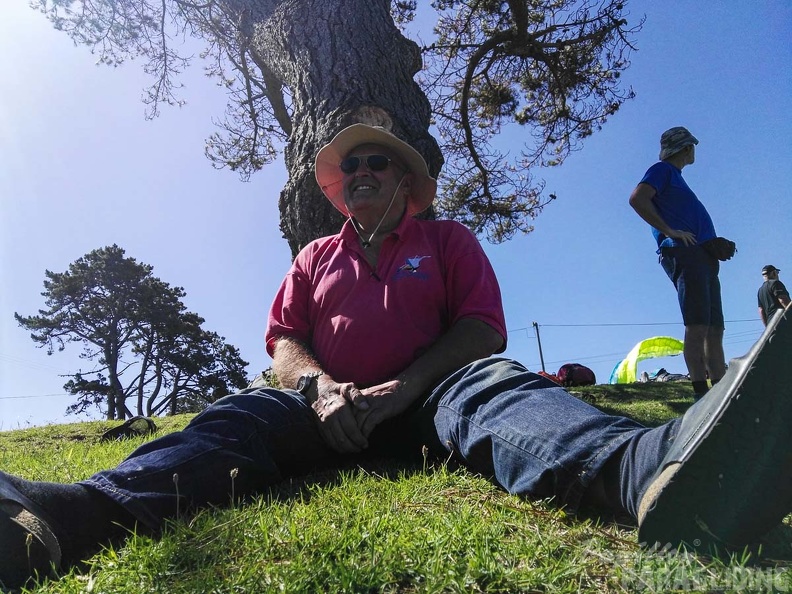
{"type": "Point", "coordinates": [373, 162]}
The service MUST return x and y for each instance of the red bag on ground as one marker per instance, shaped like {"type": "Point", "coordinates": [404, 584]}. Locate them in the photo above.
{"type": "Point", "coordinates": [575, 374]}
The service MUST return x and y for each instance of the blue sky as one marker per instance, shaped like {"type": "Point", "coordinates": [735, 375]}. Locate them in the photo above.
{"type": "Point", "coordinates": [82, 169]}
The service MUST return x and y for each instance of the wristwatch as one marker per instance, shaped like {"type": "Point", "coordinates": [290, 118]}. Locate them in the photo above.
{"type": "Point", "coordinates": [305, 381]}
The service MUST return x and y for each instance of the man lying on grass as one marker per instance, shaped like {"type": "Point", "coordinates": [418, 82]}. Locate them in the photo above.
{"type": "Point", "coordinates": [382, 336]}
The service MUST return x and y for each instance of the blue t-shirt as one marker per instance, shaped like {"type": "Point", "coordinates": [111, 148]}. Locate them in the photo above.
{"type": "Point", "coordinates": [677, 204]}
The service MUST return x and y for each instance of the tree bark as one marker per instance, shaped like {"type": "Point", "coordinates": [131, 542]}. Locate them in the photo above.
{"type": "Point", "coordinates": [114, 398]}
{"type": "Point", "coordinates": [342, 61]}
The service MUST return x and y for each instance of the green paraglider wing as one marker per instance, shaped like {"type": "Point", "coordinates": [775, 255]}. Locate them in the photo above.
{"type": "Point", "coordinates": [657, 346]}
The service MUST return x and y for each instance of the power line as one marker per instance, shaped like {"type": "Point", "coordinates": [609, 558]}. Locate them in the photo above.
{"type": "Point", "coordinates": [17, 361]}
{"type": "Point", "coordinates": [605, 325]}
{"type": "Point", "coordinates": [31, 396]}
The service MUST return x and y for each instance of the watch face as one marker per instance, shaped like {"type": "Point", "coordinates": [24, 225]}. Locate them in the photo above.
{"type": "Point", "coordinates": [303, 383]}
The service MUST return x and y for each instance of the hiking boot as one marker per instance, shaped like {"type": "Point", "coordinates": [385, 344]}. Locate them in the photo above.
{"type": "Point", "coordinates": [28, 546]}
{"type": "Point", "coordinates": [727, 478]}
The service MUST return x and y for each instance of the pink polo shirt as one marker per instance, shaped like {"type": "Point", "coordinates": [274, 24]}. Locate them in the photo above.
{"type": "Point", "coordinates": [366, 326]}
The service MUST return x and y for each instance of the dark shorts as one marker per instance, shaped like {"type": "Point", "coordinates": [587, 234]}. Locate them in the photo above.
{"type": "Point", "coordinates": [695, 275]}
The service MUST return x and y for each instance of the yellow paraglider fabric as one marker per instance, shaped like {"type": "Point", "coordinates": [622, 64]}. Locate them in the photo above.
{"type": "Point", "coordinates": [657, 346]}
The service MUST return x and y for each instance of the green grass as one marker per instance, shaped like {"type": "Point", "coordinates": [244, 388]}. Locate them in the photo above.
{"type": "Point", "coordinates": [384, 528]}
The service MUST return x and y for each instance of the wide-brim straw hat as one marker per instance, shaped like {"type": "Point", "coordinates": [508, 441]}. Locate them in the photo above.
{"type": "Point", "coordinates": [330, 176]}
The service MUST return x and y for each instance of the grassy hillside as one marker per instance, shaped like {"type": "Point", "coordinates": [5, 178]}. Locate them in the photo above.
{"type": "Point", "coordinates": [383, 528]}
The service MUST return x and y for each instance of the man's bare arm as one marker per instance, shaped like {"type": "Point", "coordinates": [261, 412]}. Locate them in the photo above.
{"type": "Point", "coordinates": [330, 401]}
{"type": "Point", "coordinates": [291, 359]}
{"type": "Point", "coordinates": [641, 201]}
{"type": "Point", "coordinates": [467, 341]}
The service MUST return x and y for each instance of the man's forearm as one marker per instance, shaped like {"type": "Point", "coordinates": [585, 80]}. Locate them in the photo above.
{"type": "Point", "coordinates": [331, 402]}
{"type": "Point", "coordinates": [291, 359]}
{"type": "Point", "coordinates": [467, 341]}
{"type": "Point", "coordinates": [641, 201]}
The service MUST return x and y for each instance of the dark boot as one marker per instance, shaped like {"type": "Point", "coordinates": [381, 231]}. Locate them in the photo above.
{"type": "Point", "coordinates": [48, 526]}
{"type": "Point", "coordinates": [727, 478]}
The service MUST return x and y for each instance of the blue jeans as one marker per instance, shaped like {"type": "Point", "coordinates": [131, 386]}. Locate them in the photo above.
{"type": "Point", "coordinates": [496, 417]}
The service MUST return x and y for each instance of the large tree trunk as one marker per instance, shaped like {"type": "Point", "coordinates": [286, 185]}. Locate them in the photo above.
{"type": "Point", "coordinates": [343, 61]}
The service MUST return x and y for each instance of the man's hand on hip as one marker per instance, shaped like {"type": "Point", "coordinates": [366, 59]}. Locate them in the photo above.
{"type": "Point", "coordinates": [686, 237]}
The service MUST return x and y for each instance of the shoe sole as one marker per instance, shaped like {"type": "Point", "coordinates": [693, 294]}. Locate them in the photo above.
{"type": "Point", "coordinates": [28, 547]}
{"type": "Point", "coordinates": [734, 481]}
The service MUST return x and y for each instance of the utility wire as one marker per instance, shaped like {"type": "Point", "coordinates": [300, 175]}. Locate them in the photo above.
{"type": "Point", "coordinates": [626, 324]}
{"type": "Point", "coordinates": [31, 396]}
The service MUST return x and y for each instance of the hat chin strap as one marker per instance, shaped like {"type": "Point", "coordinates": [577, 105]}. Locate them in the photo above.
{"type": "Point", "coordinates": [367, 243]}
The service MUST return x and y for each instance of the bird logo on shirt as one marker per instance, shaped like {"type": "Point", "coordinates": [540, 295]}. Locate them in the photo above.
{"type": "Point", "coordinates": [412, 264]}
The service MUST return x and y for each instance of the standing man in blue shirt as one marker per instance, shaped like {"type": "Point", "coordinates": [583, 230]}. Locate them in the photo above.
{"type": "Point", "coordinates": [680, 224]}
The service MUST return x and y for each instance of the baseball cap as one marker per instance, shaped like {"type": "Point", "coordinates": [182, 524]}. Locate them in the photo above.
{"type": "Point", "coordinates": [770, 268]}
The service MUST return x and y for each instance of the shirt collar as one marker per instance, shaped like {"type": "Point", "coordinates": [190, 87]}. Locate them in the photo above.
{"type": "Point", "coordinates": [350, 237]}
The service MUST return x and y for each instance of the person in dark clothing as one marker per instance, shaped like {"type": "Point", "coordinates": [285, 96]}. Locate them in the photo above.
{"type": "Point", "coordinates": [773, 295]}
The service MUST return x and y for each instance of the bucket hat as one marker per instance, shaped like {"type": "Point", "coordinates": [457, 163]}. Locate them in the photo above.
{"type": "Point", "coordinates": [674, 140]}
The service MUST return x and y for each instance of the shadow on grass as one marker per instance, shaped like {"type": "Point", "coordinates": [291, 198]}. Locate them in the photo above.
{"type": "Point", "coordinates": [332, 475]}
{"type": "Point", "coordinates": [774, 549]}
{"type": "Point", "coordinates": [777, 544]}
